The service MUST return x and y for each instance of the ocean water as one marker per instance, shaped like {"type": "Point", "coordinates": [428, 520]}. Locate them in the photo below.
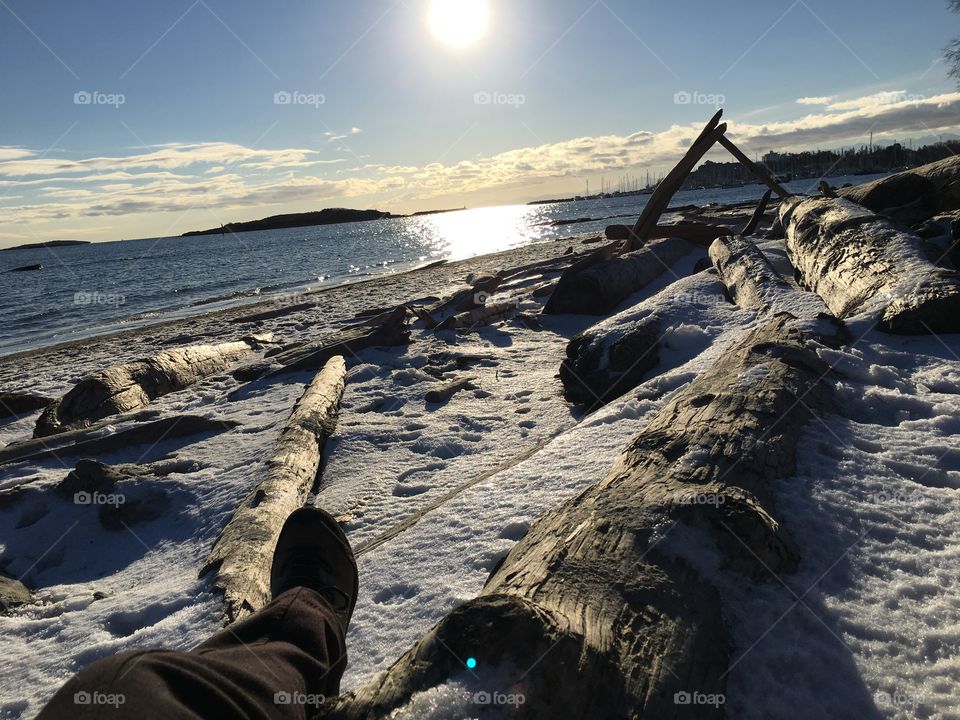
{"type": "Point", "coordinates": [86, 290]}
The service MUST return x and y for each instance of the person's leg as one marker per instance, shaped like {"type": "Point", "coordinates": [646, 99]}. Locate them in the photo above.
{"type": "Point", "coordinates": [279, 663]}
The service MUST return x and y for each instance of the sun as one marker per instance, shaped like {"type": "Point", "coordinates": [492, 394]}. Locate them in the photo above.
{"type": "Point", "coordinates": [459, 23]}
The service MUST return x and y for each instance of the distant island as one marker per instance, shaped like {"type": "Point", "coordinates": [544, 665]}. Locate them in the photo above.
{"type": "Point", "coordinates": [329, 216]}
{"type": "Point", "coordinates": [51, 243]}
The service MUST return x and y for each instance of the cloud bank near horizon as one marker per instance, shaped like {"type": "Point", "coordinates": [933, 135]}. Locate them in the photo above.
{"type": "Point", "coordinates": [176, 178]}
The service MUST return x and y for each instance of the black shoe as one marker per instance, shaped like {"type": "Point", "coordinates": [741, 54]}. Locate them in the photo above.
{"type": "Point", "coordinates": [313, 552]}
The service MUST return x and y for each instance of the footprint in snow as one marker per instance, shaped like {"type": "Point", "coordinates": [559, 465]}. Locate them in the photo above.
{"type": "Point", "coordinates": [124, 624]}
{"type": "Point", "coordinates": [396, 594]}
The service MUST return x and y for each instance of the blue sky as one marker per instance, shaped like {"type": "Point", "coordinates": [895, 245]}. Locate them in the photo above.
{"type": "Point", "coordinates": [183, 129]}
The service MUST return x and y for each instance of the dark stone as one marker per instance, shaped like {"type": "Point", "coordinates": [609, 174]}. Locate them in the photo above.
{"type": "Point", "coordinates": [90, 476]}
{"type": "Point", "coordinates": [13, 593]}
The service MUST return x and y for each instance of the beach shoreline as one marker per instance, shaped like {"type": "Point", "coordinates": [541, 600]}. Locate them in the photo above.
{"type": "Point", "coordinates": [26, 369]}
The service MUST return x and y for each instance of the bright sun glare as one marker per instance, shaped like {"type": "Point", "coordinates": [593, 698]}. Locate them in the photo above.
{"type": "Point", "coordinates": [459, 22]}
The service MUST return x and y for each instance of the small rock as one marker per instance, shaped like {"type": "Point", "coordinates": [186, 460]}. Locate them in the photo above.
{"type": "Point", "coordinates": [13, 593]}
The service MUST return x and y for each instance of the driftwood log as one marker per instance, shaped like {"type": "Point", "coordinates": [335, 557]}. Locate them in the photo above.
{"type": "Point", "coordinates": [695, 232]}
{"type": "Point", "coordinates": [482, 315]}
{"type": "Point", "coordinates": [15, 404]}
{"type": "Point", "coordinates": [935, 185]}
{"type": "Point", "coordinates": [606, 361]}
{"type": "Point", "coordinates": [599, 288]}
{"type": "Point", "coordinates": [859, 262]}
{"type": "Point", "coordinates": [758, 214]}
{"type": "Point", "coordinates": [591, 615]}
{"type": "Point", "coordinates": [275, 313]}
{"type": "Point", "coordinates": [241, 556]}
{"type": "Point", "coordinates": [123, 388]}
{"type": "Point", "coordinates": [392, 331]}
{"type": "Point", "coordinates": [659, 201]}
{"type": "Point", "coordinates": [758, 171]}
{"type": "Point", "coordinates": [92, 441]}
{"type": "Point", "coordinates": [754, 284]}
{"type": "Point", "coordinates": [442, 395]}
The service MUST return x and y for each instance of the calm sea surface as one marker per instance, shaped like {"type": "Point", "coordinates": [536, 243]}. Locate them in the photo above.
{"type": "Point", "coordinates": [86, 290]}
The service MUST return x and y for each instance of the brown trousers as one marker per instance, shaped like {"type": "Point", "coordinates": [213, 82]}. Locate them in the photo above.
{"type": "Point", "coordinates": [279, 663]}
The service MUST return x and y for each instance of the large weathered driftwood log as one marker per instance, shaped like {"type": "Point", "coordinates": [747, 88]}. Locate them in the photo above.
{"type": "Point", "coordinates": [123, 388]}
{"type": "Point", "coordinates": [241, 556]}
{"type": "Point", "coordinates": [754, 284]}
{"type": "Point", "coordinates": [592, 615]}
{"type": "Point", "coordinates": [859, 263]}
{"type": "Point", "coordinates": [934, 187]}
{"type": "Point", "coordinates": [598, 289]}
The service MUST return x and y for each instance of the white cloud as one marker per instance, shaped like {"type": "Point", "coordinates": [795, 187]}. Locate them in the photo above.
{"type": "Point", "coordinates": [815, 100]}
{"type": "Point", "coordinates": [247, 178]}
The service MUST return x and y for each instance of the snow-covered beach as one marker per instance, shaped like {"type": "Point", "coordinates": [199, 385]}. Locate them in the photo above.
{"type": "Point", "coordinates": [434, 495]}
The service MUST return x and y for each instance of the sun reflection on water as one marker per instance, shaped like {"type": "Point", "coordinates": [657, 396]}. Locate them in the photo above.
{"type": "Point", "coordinates": [463, 234]}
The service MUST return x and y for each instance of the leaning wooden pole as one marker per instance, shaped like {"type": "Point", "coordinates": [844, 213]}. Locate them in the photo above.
{"type": "Point", "coordinates": [660, 199]}
{"type": "Point", "coordinates": [241, 557]}
{"type": "Point", "coordinates": [759, 172]}
{"type": "Point", "coordinates": [596, 612]}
